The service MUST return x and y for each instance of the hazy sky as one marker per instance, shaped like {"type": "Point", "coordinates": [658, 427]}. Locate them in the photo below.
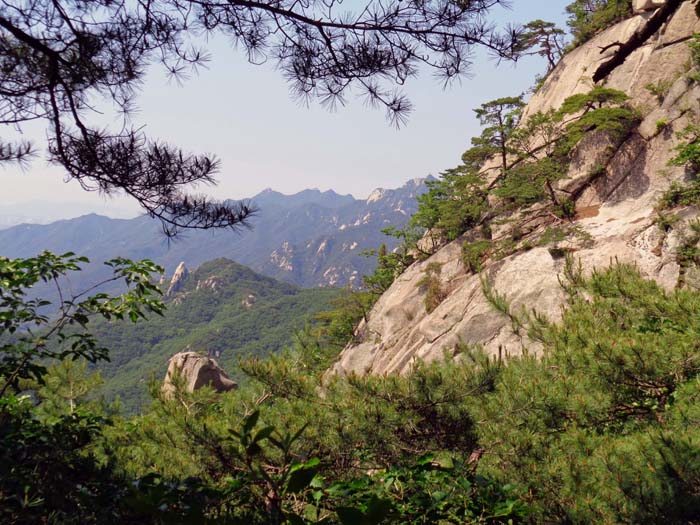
{"type": "Point", "coordinates": [244, 115]}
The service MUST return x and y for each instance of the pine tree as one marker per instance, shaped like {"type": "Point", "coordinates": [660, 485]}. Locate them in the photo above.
{"type": "Point", "coordinates": [544, 39]}
{"type": "Point", "coordinates": [499, 119]}
{"type": "Point", "coordinates": [67, 385]}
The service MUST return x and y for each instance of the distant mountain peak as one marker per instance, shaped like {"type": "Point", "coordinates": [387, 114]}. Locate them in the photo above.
{"type": "Point", "coordinates": [411, 185]}
{"type": "Point", "coordinates": [376, 195]}
{"type": "Point", "coordinates": [327, 199]}
{"type": "Point", "coordinates": [283, 242]}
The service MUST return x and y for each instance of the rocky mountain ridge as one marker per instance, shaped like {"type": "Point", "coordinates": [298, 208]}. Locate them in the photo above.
{"type": "Point", "coordinates": [311, 238]}
{"type": "Point", "coordinates": [615, 189]}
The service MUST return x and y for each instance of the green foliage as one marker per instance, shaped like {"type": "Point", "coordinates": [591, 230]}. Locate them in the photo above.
{"type": "Point", "coordinates": [661, 125]}
{"type": "Point", "coordinates": [29, 337]}
{"type": "Point", "coordinates": [389, 449]}
{"type": "Point", "coordinates": [453, 204]}
{"type": "Point", "coordinates": [544, 39]}
{"type": "Point", "coordinates": [498, 118]}
{"type": "Point", "coordinates": [659, 89]}
{"type": "Point", "coordinates": [336, 326]}
{"type": "Point", "coordinates": [66, 387]}
{"type": "Point", "coordinates": [694, 45]}
{"type": "Point", "coordinates": [680, 195]}
{"type": "Point", "coordinates": [565, 209]}
{"type": "Point", "coordinates": [47, 452]}
{"type": "Point", "coordinates": [530, 182]}
{"type": "Point", "coordinates": [434, 490]}
{"type": "Point", "coordinates": [599, 429]}
{"type": "Point", "coordinates": [473, 254]}
{"type": "Point", "coordinates": [48, 473]}
{"type": "Point", "coordinates": [235, 312]}
{"type": "Point", "coordinates": [388, 267]}
{"type": "Point", "coordinates": [431, 283]}
{"type": "Point", "coordinates": [688, 156]}
{"type": "Point", "coordinates": [617, 121]}
{"type": "Point", "coordinates": [602, 428]}
{"type": "Point", "coordinates": [533, 157]}
{"type": "Point", "coordinates": [587, 18]}
{"type": "Point", "coordinates": [665, 221]}
{"type": "Point", "coordinates": [596, 98]}
{"type": "Point", "coordinates": [600, 109]}
{"type": "Point", "coordinates": [688, 151]}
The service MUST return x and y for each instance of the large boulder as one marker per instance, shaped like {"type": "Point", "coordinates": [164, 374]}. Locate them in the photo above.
{"type": "Point", "coordinates": [196, 371]}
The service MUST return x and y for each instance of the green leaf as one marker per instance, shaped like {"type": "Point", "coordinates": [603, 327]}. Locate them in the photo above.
{"type": "Point", "coordinates": [300, 477]}
{"type": "Point", "coordinates": [263, 433]}
{"type": "Point", "coordinates": [351, 516]}
{"type": "Point", "coordinates": [250, 421]}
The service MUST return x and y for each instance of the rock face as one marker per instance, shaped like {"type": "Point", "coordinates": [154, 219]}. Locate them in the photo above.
{"type": "Point", "coordinates": [615, 194]}
{"type": "Point", "coordinates": [647, 5]}
{"type": "Point", "coordinates": [196, 371]}
{"type": "Point", "coordinates": [178, 279]}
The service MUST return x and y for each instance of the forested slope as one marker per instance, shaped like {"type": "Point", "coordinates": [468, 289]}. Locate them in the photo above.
{"type": "Point", "coordinates": [221, 308]}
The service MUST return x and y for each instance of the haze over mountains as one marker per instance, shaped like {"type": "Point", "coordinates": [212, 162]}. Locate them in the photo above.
{"type": "Point", "coordinates": [45, 212]}
{"type": "Point", "coordinates": [310, 239]}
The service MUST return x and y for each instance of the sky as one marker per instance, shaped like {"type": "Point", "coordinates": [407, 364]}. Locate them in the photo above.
{"type": "Point", "coordinates": [244, 115]}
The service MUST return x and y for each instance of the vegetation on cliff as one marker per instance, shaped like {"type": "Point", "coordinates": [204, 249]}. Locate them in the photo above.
{"type": "Point", "coordinates": [589, 17]}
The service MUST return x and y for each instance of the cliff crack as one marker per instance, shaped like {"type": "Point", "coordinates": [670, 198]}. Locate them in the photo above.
{"type": "Point", "coordinates": [638, 39]}
{"type": "Point", "coordinates": [459, 320]}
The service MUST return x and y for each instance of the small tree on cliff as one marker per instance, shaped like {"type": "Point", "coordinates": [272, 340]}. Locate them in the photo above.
{"type": "Point", "coordinates": [499, 117]}
{"type": "Point", "coordinates": [544, 39]}
{"type": "Point", "coordinates": [589, 17]}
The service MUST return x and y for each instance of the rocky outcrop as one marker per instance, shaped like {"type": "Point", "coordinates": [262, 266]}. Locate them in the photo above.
{"type": "Point", "coordinates": [195, 371]}
{"type": "Point", "coordinates": [641, 6]}
{"type": "Point", "coordinates": [615, 188]}
{"type": "Point", "coordinates": [213, 283]}
{"type": "Point", "coordinates": [249, 301]}
{"type": "Point", "coordinates": [178, 280]}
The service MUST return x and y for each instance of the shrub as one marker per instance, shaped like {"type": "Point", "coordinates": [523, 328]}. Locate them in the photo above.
{"type": "Point", "coordinates": [659, 89]}
{"type": "Point", "coordinates": [473, 254]}
{"type": "Point", "coordinates": [587, 18]}
{"type": "Point", "coordinates": [603, 426]}
{"type": "Point", "coordinates": [430, 282]}
{"type": "Point", "coordinates": [453, 204]}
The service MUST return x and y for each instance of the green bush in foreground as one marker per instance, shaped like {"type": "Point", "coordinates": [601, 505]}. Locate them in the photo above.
{"type": "Point", "coordinates": [601, 427]}
{"type": "Point", "coordinates": [604, 426]}
{"type": "Point", "coordinates": [272, 453]}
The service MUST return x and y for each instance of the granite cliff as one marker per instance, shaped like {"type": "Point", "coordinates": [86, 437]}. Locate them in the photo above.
{"type": "Point", "coordinates": [615, 189]}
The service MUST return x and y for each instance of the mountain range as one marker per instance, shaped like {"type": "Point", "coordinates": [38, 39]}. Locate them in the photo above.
{"type": "Point", "coordinates": [309, 239]}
